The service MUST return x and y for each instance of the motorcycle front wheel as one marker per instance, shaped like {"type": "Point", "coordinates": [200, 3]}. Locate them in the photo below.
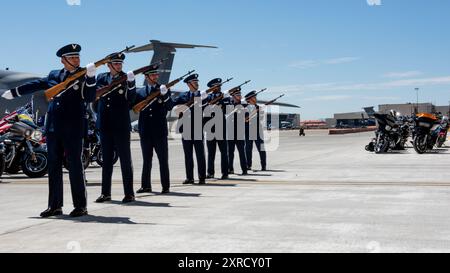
{"type": "Point", "coordinates": [2, 164]}
{"type": "Point", "coordinates": [382, 146]}
{"type": "Point", "coordinates": [35, 168]}
{"type": "Point", "coordinates": [420, 144]}
{"type": "Point", "coordinates": [85, 160]}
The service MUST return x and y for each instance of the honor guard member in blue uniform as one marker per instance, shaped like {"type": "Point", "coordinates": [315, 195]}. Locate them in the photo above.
{"type": "Point", "coordinates": [153, 130]}
{"type": "Point", "coordinates": [253, 132]}
{"type": "Point", "coordinates": [194, 140]}
{"type": "Point", "coordinates": [237, 139]}
{"type": "Point", "coordinates": [214, 142]}
{"type": "Point", "coordinates": [65, 128]}
{"type": "Point", "coordinates": [114, 125]}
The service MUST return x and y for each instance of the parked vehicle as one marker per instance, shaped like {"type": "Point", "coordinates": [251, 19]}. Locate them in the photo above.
{"type": "Point", "coordinates": [442, 135]}
{"type": "Point", "coordinates": [92, 151]}
{"type": "Point", "coordinates": [392, 133]}
{"type": "Point", "coordinates": [24, 150]}
{"type": "Point", "coordinates": [427, 130]}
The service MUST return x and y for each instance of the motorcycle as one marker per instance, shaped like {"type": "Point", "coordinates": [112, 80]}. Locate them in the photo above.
{"type": "Point", "coordinates": [426, 132]}
{"type": "Point", "coordinates": [2, 159]}
{"type": "Point", "coordinates": [442, 135]}
{"type": "Point", "coordinates": [392, 134]}
{"type": "Point", "coordinates": [24, 150]}
{"type": "Point", "coordinates": [92, 151]}
{"type": "Point", "coordinates": [22, 114]}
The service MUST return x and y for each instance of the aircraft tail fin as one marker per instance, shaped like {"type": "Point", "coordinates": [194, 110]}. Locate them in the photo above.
{"type": "Point", "coordinates": [165, 50]}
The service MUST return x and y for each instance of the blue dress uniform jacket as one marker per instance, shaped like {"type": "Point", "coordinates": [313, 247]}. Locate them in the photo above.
{"type": "Point", "coordinates": [195, 140]}
{"type": "Point", "coordinates": [115, 125]}
{"type": "Point", "coordinates": [153, 132]}
{"type": "Point", "coordinates": [66, 125]}
{"type": "Point", "coordinates": [114, 107]}
{"type": "Point", "coordinates": [222, 143]}
{"type": "Point", "coordinates": [236, 137]}
{"type": "Point", "coordinates": [68, 108]}
{"type": "Point", "coordinates": [253, 135]}
{"type": "Point", "coordinates": [153, 119]}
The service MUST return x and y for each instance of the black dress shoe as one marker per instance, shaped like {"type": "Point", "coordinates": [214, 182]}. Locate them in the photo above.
{"type": "Point", "coordinates": [210, 176]}
{"type": "Point", "coordinates": [103, 199]}
{"type": "Point", "coordinates": [165, 191]}
{"type": "Point", "coordinates": [188, 182]}
{"type": "Point", "coordinates": [128, 199]}
{"type": "Point", "coordinates": [244, 173]}
{"type": "Point", "coordinates": [79, 212]}
{"type": "Point", "coordinates": [51, 212]}
{"type": "Point", "coordinates": [202, 182]}
{"type": "Point", "coordinates": [231, 172]}
{"type": "Point", "coordinates": [144, 190]}
{"type": "Point", "coordinates": [224, 177]}
{"type": "Point", "coordinates": [264, 169]}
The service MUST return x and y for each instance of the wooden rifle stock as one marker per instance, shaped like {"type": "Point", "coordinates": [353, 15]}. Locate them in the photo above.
{"type": "Point", "coordinates": [140, 106]}
{"type": "Point", "coordinates": [104, 90]}
{"type": "Point", "coordinates": [52, 92]}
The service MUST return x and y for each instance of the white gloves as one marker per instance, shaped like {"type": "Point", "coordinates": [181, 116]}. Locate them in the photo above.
{"type": "Point", "coordinates": [91, 70]}
{"type": "Point", "coordinates": [203, 94]}
{"type": "Point", "coordinates": [226, 95]}
{"type": "Point", "coordinates": [164, 90]}
{"type": "Point", "coordinates": [130, 76]}
{"type": "Point", "coordinates": [7, 95]}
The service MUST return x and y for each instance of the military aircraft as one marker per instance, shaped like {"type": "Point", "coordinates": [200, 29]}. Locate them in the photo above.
{"type": "Point", "coordinates": [162, 50]}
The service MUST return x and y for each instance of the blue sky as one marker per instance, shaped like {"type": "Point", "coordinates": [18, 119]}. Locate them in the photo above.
{"type": "Point", "coordinates": [328, 56]}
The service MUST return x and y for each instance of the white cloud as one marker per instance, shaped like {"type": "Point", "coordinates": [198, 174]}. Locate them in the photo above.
{"type": "Point", "coordinates": [406, 74]}
{"type": "Point", "coordinates": [314, 63]}
{"type": "Point", "coordinates": [343, 86]}
{"type": "Point", "coordinates": [350, 97]}
{"type": "Point", "coordinates": [341, 60]}
{"type": "Point", "coordinates": [73, 2]}
{"type": "Point", "coordinates": [374, 2]}
{"type": "Point", "coordinates": [329, 98]}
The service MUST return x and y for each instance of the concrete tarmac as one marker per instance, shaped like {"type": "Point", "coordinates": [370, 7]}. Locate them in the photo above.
{"type": "Point", "coordinates": [321, 194]}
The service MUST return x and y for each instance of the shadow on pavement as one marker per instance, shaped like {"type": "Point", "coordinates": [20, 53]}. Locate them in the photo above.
{"type": "Point", "coordinates": [216, 185]}
{"type": "Point", "coordinates": [269, 171]}
{"type": "Point", "coordinates": [258, 174]}
{"type": "Point", "coordinates": [181, 194]}
{"type": "Point", "coordinates": [18, 177]}
{"type": "Point", "coordinates": [141, 204]}
{"type": "Point", "coordinates": [93, 184]}
{"type": "Point", "coordinates": [242, 179]}
{"type": "Point", "coordinates": [95, 219]}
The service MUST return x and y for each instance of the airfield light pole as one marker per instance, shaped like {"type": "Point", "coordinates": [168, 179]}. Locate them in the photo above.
{"type": "Point", "coordinates": [417, 96]}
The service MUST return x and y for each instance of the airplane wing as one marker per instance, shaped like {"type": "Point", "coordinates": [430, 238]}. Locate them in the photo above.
{"type": "Point", "coordinates": [279, 104]}
{"type": "Point", "coordinates": [155, 43]}
{"type": "Point", "coordinates": [10, 79]}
